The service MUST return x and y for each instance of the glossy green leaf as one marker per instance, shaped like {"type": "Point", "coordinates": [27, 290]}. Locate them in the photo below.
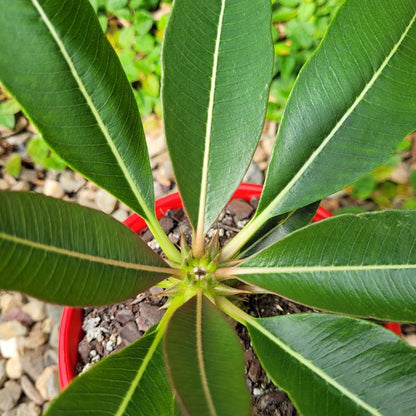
{"type": "Point", "coordinates": [361, 265]}
{"type": "Point", "coordinates": [205, 361]}
{"type": "Point", "coordinates": [337, 366]}
{"type": "Point", "coordinates": [215, 89]}
{"type": "Point", "coordinates": [352, 104]}
{"type": "Point", "coordinates": [68, 254]}
{"type": "Point", "coordinates": [131, 382]}
{"type": "Point", "coordinates": [59, 66]}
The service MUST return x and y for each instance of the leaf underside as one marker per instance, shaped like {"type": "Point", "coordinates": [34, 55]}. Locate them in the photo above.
{"type": "Point", "coordinates": [352, 103]}
{"type": "Point", "coordinates": [339, 366]}
{"type": "Point", "coordinates": [114, 387]}
{"type": "Point", "coordinates": [214, 108]}
{"type": "Point", "coordinates": [361, 265]}
{"type": "Point", "coordinates": [72, 255]}
{"type": "Point", "coordinates": [205, 361]}
{"type": "Point", "coordinates": [69, 80]}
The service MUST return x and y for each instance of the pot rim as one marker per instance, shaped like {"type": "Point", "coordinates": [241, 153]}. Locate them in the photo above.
{"type": "Point", "coordinates": [71, 333]}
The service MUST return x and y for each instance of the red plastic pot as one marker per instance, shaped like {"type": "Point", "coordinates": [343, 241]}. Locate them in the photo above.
{"type": "Point", "coordinates": [71, 333]}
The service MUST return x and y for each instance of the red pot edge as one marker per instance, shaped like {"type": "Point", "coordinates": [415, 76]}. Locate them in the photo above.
{"type": "Point", "coordinates": [70, 332]}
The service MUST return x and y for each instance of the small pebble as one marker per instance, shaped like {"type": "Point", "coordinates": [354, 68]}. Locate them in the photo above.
{"type": "Point", "coordinates": [105, 201]}
{"type": "Point", "coordinates": [12, 329]}
{"type": "Point", "coordinates": [31, 391]}
{"type": "Point", "coordinates": [120, 215]}
{"type": "Point", "coordinates": [9, 395]}
{"type": "Point", "coordinates": [14, 368]}
{"type": "Point", "coordinates": [48, 383]}
{"type": "Point", "coordinates": [35, 309]}
{"type": "Point", "coordinates": [4, 185]}
{"type": "Point", "coordinates": [10, 347]}
{"type": "Point", "coordinates": [53, 188]}
{"type": "Point", "coordinates": [21, 186]}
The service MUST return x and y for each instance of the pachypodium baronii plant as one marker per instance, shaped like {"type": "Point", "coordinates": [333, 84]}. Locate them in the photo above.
{"type": "Point", "coordinates": [352, 103]}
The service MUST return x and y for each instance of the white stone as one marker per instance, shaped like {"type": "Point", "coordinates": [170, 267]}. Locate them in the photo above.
{"type": "Point", "coordinates": [48, 383]}
{"type": "Point", "coordinates": [9, 301]}
{"type": "Point", "coordinates": [53, 188]}
{"type": "Point", "coordinates": [86, 197]}
{"type": "Point", "coordinates": [105, 202]}
{"type": "Point", "coordinates": [12, 329]}
{"type": "Point", "coordinates": [120, 215]}
{"type": "Point", "coordinates": [68, 181]}
{"type": "Point", "coordinates": [28, 409]}
{"type": "Point", "coordinates": [30, 391]}
{"type": "Point", "coordinates": [95, 333]}
{"type": "Point", "coordinates": [14, 368]}
{"type": "Point", "coordinates": [10, 347]}
{"type": "Point", "coordinates": [410, 339]}
{"type": "Point", "coordinates": [21, 186]}
{"type": "Point", "coordinates": [9, 395]}
{"type": "Point", "coordinates": [4, 185]}
{"type": "Point", "coordinates": [90, 323]}
{"type": "Point", "coordinates": [35, 309]}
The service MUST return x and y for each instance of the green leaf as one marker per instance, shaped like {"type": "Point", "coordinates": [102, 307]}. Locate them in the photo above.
{"type": "Point", "coordinates": [9, 107]}
{"type": "Point", "coordinates": [59, 66]}
{"type": "Point", "coordinates": [365, 186]}
{"type": "Point", "coordinates": [7, 120]}
{"type": "Point", "coordinates": [205, 361]}
{"type": "Point", "coordinates": [13, 165]}
{"type": "Point", "coordinates": [40, 152]}
{"type": "Point", "coordinates": [351, 106]}
{"type": "Point", "coordinates": [215, 89]}
{"type": "Point", "coordinates": [361, 265]}
{"type": "Point", "coordinates": [72, 255]}
{"type": "Point", "coordinates": [114, 5]}
{"type": "Point", "coordinates": [331, 365]}
{"type": "Point", "coordinates": [130, 382]}
{"type": "Point", "coordinates": [143, 22]}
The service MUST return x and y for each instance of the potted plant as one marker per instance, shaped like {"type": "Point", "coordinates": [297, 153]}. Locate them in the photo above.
{"type": "Point", "coordinates": [352, 103]}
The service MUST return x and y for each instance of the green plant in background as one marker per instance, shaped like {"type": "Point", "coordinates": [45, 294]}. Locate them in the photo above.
{"type": "Point", "coordinates": [41, 154]}
{"type": "Point", "coordinates": [350, 107]}
{"type": "Point", "coordinates": [8, 109]}
{"type": "Point", "coordinates": [298, 27]}
{"type": "Point", "coordinates": [137, 42]}
{"type": "Point", "coordinates": [13, 165]}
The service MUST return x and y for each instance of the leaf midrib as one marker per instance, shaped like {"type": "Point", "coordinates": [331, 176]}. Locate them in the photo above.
{"type": "Point", "coordinates": [93, 109]}
{"type": "Point", "coordinates": [318, 371]}
{"type": "Point", "coordinates": [200, 356]}
{"type": "Point", "coordinates": [83, 256]}
{"type": "Point", "coordinates": [208, 131]}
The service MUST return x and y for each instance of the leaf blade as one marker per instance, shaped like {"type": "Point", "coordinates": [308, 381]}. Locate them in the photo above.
{"type": "Point", "coordinates": [59, 251]}
{"type": "Point", "coordinates": [360, 265]}
{"type": "Point", "coordinates": [356, 367]}
{"type": "Point", "coordinates": [200, 91]}
{"type": "Point", "coordinates": [133, 381]}
{"type": "Point", "coordinates": [189, 345]}
{"type": "Point", "coordinates": [345, 116]}
{"type": "Point", "coordinates": [77, 95]}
